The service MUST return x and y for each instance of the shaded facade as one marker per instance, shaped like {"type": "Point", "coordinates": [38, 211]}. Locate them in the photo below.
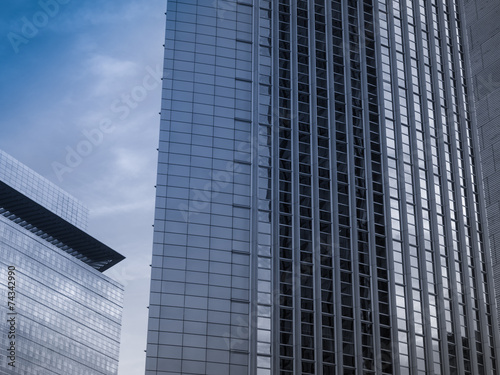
{"type": "Point", "coordinates": [61, 314]}
{"type": "Point", "coordinates": [484, 37]}
{"type": "Point", "coordinates": [318, 208]}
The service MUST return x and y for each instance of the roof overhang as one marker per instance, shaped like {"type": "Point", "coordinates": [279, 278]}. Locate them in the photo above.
{"type": "Point", "coordinates": [75, 241]}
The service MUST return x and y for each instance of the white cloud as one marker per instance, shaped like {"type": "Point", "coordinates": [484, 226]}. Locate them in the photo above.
{"type": "Point", "coordinates": [109, 67]}
{"type": "Point", "coordinates": [109, 74]}
{"type": "Point", "coordinates": [94, 53]}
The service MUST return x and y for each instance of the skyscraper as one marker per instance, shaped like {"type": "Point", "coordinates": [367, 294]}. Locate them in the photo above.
{"type": "Point", "coordinates": [484, 38]}
{"type": "Point", "coordinates": [318, 206]}
{"type": "Point", "coordinates": [60, 314]}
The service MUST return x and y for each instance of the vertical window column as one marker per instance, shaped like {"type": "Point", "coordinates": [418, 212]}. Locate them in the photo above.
{"type": "Point", "coordinates": [265, 164]}
{"type": "Point", "coordinates": [285, 261]}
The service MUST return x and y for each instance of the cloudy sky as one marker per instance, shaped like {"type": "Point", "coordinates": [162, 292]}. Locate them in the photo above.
{"type": "Point", "coordinates": [82, 78]}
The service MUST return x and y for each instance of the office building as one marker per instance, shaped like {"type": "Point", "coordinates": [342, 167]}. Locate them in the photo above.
{"type": "Point", "coordinates": [319, 208]}
{"type": "Point", "coordinates": [484, 38]}
{"type": "Point", "coordinates": [59, 313]}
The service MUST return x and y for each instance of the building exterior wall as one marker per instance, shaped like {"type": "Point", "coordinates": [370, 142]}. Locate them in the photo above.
{"type": "Point", "coordinates": [68, 314]}
{"type": "Point", "coordinates": [483, 33]}
{"type": "Point", "coordinates": [347, 197]}
{"type": "Point", "coordinates": [437, 214]}
{"type": "Point", "coordinates": [199, 308]}
{"type": "Point", "coordinates": [59, 315]}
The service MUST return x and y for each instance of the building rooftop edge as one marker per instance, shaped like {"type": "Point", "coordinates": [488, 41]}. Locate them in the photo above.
{"type": "Point", "coordinates": [57, 230]}
{"type": "Point", "coordinates": [38, 188]}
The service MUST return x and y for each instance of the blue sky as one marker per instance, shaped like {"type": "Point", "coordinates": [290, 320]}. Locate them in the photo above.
{"type": "Point", "coordinates": [79, 103]}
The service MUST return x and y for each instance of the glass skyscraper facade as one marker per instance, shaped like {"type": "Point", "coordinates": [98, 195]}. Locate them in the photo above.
{"type": "Point", "coordinates": [484, 36]}
{"type": "Point", "coordinates": [318, 204]}
{"type": "Point", "coordinates": [59, 313]}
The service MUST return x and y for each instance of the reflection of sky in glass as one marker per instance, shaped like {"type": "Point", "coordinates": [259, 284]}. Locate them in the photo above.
{"type": "Point", "coordinates": [200, 290]}
{"type": "Point", "coordinates": [69, 314]}
{"type": "Point", "coordinates": [42, 191]}
{"type": "Point", "coordinates": [437, 236]}
{"type": "Point", "coordinates": [373, 179]}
